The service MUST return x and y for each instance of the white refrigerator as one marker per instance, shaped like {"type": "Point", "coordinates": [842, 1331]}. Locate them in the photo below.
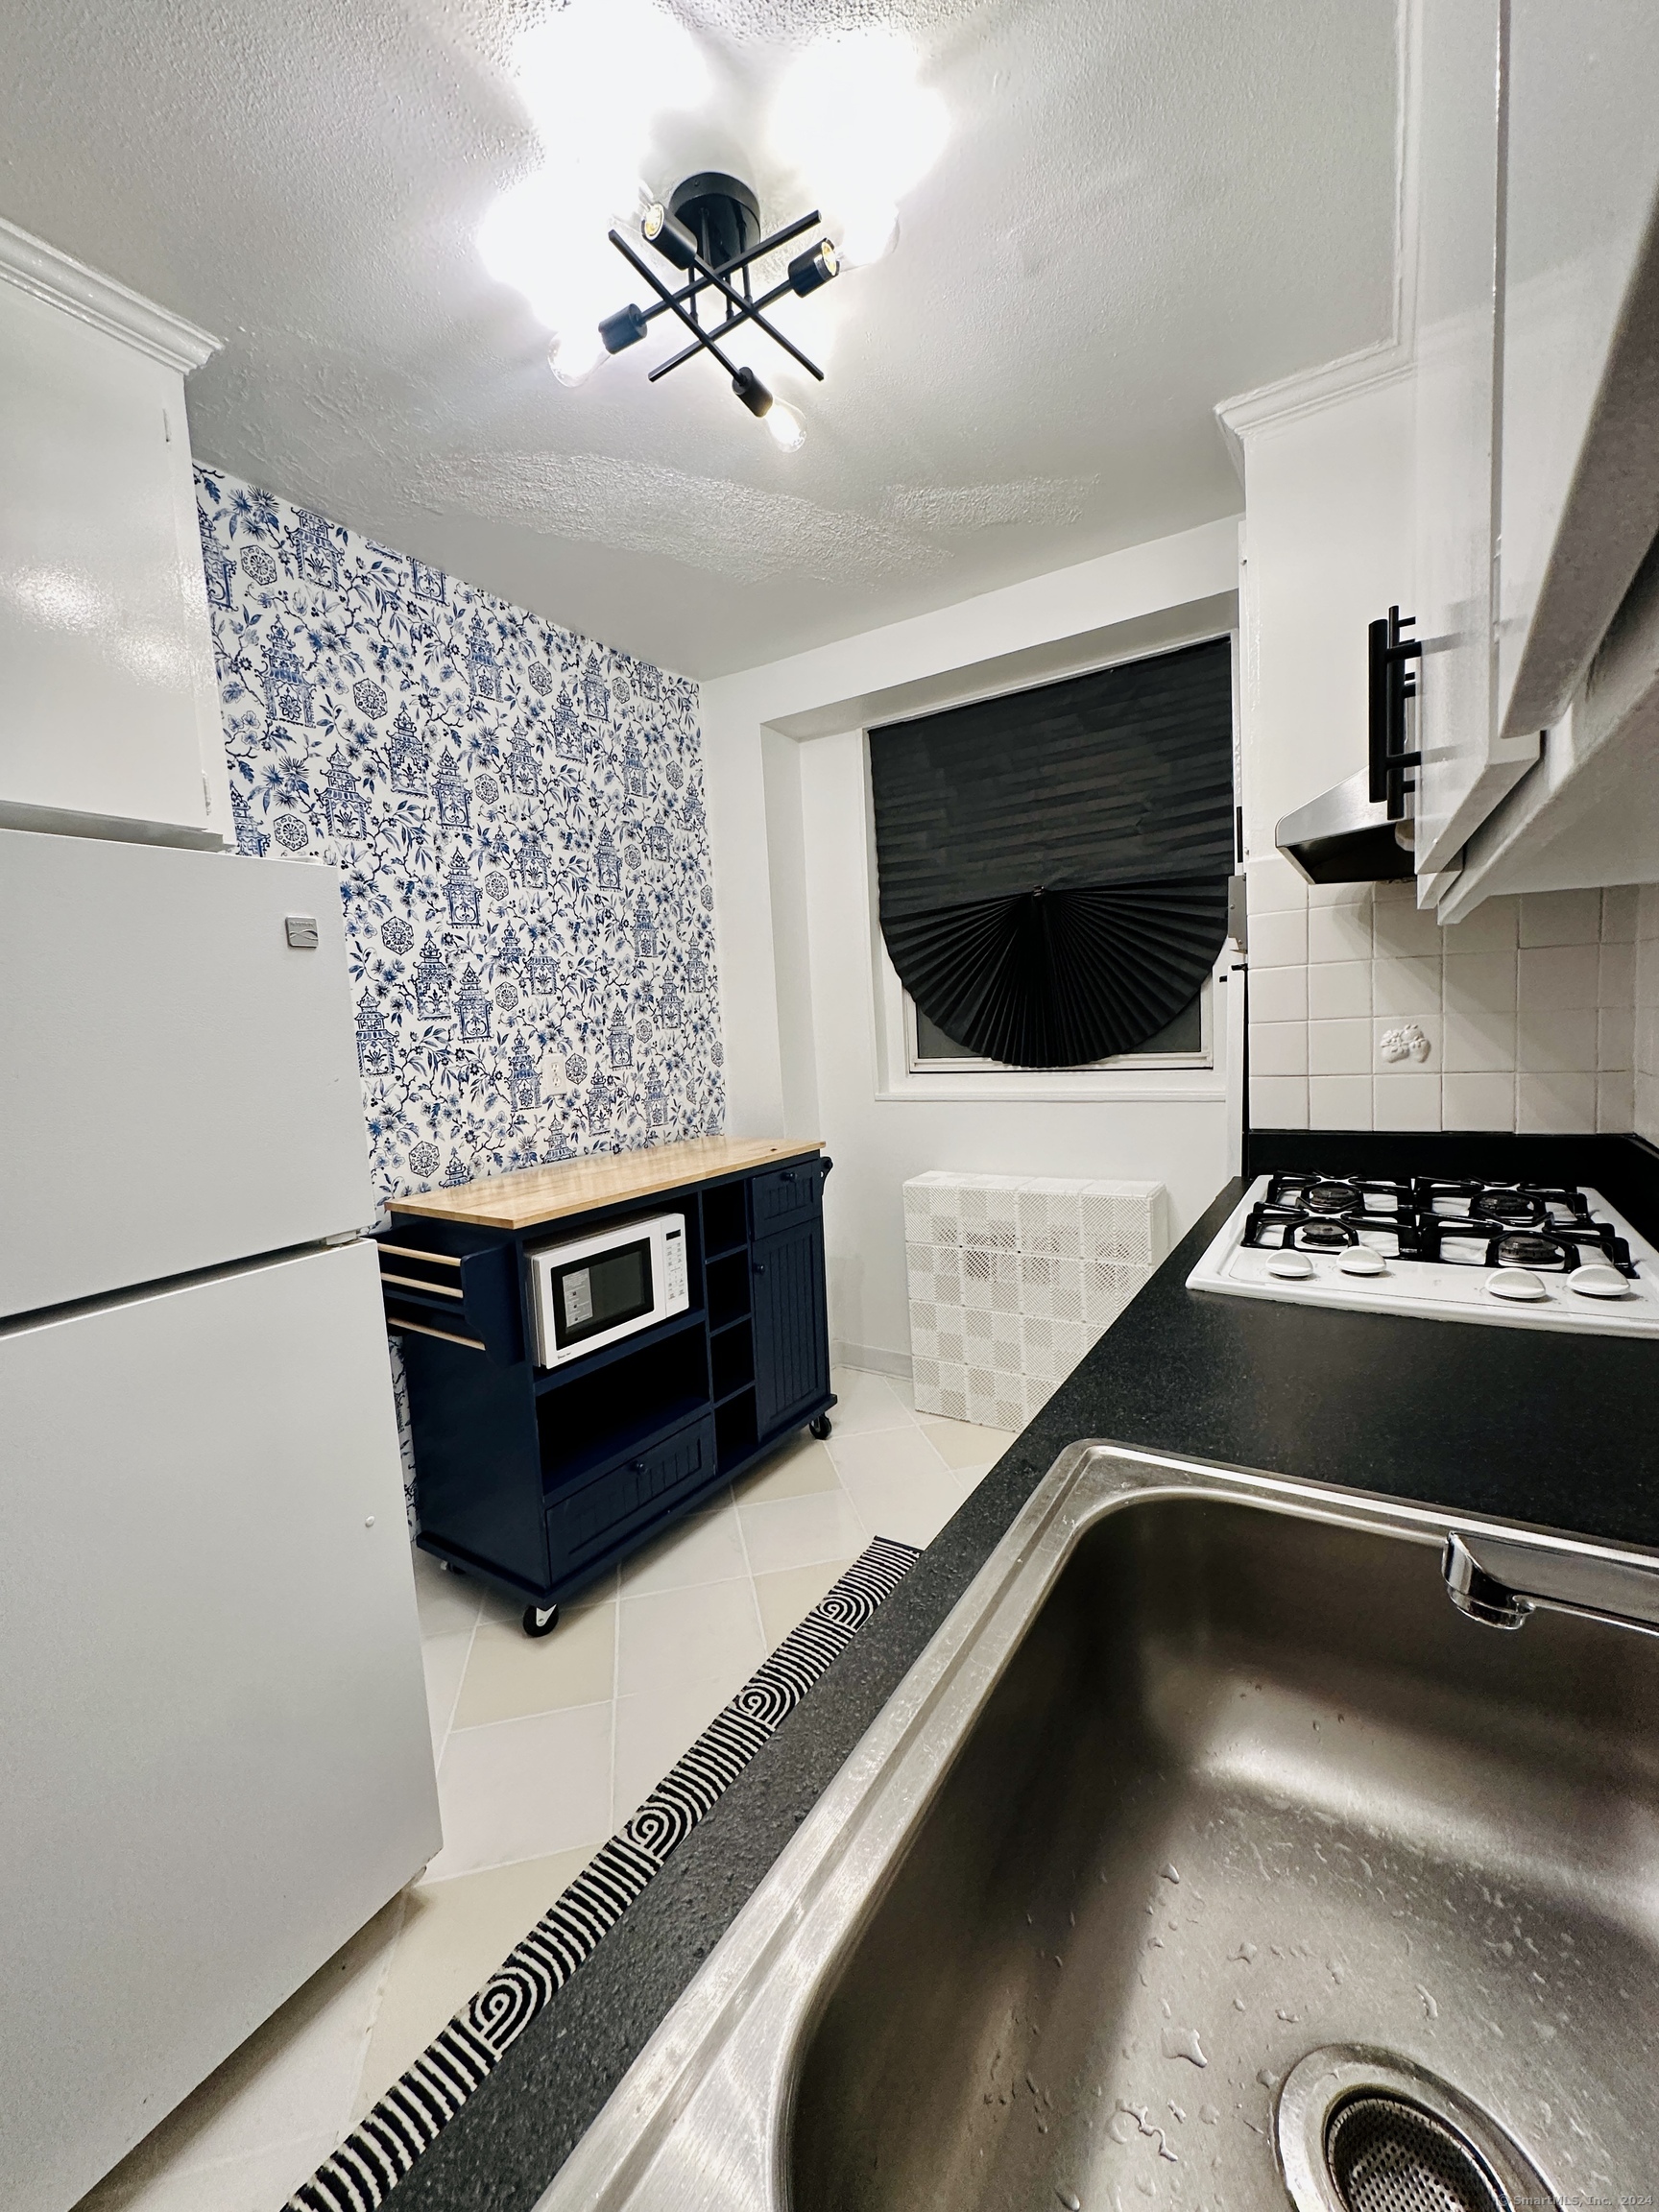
{"type": "Point", "coordinates": [215, 1762]}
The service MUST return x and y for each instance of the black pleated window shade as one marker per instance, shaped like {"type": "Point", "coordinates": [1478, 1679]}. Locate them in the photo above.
{"type": "Point", "coordinates": [1053, 864]}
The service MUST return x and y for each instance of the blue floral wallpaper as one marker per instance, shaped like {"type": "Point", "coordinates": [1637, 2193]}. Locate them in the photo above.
{"type": "Point", "coordinates": [518, 814]}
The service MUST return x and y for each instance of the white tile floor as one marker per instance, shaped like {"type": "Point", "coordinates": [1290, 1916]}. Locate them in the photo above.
{"type": "Point", "coordinates": [543, 1749]}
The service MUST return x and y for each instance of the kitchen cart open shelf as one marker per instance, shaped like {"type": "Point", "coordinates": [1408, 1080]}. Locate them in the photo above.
{"type": "Point", "coordinates": [539, 1479]}
{"type": "Point", "coordinates": [688, 1325]}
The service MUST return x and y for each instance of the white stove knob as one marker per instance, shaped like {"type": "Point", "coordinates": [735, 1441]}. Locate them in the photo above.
{"type": "Point", "coordinates": [1291, 1266]}
{"type": "Point", "coordinates": [1597, 1282]}
{"type": "Point", "coordinates": [1362, 1260]}
{"type": "Point", "coordinates": [1518, 1284]}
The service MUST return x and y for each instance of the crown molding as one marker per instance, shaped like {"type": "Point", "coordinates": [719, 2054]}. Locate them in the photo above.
{"type": "Point", "coordinates": [1309, 390]}
{"type": "Point", "coordinates": [1391, 358]}
{"type": "Point", "coordinates": [37, 267]}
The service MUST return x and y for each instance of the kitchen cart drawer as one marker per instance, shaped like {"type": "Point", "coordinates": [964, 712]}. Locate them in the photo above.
{"type": "Point", "coordinates": [600, 1512]}
{"type": "Point", "coordinates": [787, 1194]}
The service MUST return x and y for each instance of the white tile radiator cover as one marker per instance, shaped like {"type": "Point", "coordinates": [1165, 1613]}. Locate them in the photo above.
{"type": "Point", "coordinates": [1013, 1278]}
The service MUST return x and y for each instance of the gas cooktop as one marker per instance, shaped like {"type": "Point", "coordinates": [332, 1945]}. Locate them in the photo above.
{"type": "Point", "coordinates": [1530, 1254]}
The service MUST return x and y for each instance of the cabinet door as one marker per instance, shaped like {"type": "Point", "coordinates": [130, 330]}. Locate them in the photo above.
{"type": "Point", "coordinates": [1466, 767]}
{"type": "Point", "coordinates": [791, 1325]}
{"type": "Point", "coordinates": [1580, 469]}
{"type": "Point", "coordinates": [111, 700]}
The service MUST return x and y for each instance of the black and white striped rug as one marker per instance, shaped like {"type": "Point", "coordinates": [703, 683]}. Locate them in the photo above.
{"type": "Point", "coordinates": [384, 2146]}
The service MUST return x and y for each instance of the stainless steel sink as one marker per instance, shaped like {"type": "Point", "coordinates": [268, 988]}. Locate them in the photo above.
{"type": "Point", "coordinates": [1204, 1814]}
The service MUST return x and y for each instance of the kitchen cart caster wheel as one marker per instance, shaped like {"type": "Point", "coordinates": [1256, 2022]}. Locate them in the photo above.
{"type": "Point", "coordinates": [540, 1619]}
{"type": "Point", "coordinates": [819, 1427]}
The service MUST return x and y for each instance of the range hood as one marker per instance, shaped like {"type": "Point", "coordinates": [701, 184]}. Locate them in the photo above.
{"type": "Point", "coordinates": [1345, 836]}
{"type": "Point", "coordinates": [1360, 832]}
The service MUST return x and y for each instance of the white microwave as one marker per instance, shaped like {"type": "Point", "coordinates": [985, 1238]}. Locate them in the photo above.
{"type": "Point", "coordinates": [587, 1294]}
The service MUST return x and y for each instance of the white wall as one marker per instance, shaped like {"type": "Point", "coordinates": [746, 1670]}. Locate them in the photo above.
{"type": "Point", "coordinates": [1526, 1008]}
{"type": "Point", "coordinates": [794, 911]}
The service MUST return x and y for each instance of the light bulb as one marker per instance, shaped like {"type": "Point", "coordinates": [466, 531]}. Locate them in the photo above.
{"type": "Point", "coordinates": [869, 233]}
{"type": "Point", "coordinates": [575, 354]}
{"type": "Point", "coordinates": [788, 431]}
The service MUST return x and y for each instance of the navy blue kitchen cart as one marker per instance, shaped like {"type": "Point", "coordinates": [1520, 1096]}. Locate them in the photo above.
{"type": "Point", "coordinates": [539, 1480]}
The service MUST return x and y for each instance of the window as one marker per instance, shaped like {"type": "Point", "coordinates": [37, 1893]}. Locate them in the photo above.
{"type": "Point", "coordinates": [1185, 1042]}
{"type": "Point", "coordinates": [1053, 868]}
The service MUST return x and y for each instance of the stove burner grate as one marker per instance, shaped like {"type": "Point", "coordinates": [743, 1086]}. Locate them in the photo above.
{"type": "Point", "coordinates": [1525, 1250]}
{"type": "Point", "coordinates": [1543, 1206]}
{"type": "Point", "coordinates": [1331, 1198]}
{"type": "Point", "coordinates": [1507, 1206]}
{"type": "Point", "coordinates": [1558, 1250]}
{"type": "Point", "coordinates": [1324, 1235]}
{"type": "Point", "coordinates": [1475, 1224]}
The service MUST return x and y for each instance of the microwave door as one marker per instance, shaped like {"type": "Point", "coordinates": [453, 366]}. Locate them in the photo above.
{"type": "Point", "coordinates": [604, 1291]}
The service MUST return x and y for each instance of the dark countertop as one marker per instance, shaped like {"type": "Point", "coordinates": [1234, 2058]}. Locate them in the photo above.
{"type": "Point", "coordinates": [1527, 1424]}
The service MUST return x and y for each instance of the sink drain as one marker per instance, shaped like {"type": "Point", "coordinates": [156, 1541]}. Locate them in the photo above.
{"type": "Point", "coordinates": [1366, 2131]}
{"type": "Point", "coordinates": [1387, 2155]}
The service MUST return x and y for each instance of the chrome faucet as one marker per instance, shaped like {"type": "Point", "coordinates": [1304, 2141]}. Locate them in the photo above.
{"type": "Point", "coordinates": [1499, 1581]}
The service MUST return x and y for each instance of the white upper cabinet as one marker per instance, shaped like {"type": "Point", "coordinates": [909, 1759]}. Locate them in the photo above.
{"type": "Point", "coordinates": [109, 700]}
{"type": "Point", "coordinates": [1579, 481]}
{"type": "Point", "coordinates": [1455, 137]}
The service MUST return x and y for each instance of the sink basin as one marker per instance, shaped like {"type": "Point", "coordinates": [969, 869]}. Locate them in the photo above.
{"type": "Point", "coordinates": [1203, 1788]}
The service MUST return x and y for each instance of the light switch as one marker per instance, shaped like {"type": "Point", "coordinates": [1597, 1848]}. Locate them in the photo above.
{"type": "Point", "coordinates": [302, 932]}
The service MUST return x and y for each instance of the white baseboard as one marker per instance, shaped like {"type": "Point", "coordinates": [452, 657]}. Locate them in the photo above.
{"type": "Point", "coordinates": [873, 1357]}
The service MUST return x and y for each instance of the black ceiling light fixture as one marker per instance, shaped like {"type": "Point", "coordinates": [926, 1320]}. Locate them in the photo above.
{"type": "Point", "coordinates": [710, 230]}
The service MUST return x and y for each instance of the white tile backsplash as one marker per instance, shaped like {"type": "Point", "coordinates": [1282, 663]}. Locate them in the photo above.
{"type": "Point", "coordinates": [1479, 1039]}
{"type": "Point", "coordinates": [1278, 940]}
{"type": "Point", "coordinates": [1539, 1012]}
{"type": "Point", "coordinates": [1616, 1102]}
{"type": "Point", "coordinates": [1492, 927]}
{"type": "Point", "coordinates": [1408, 989]}
{"type": "Point", "coordinates": [1620, 908]}
{"type": "Point", "coordinates": [1480, 980]}
{"type": "Point", "coordinates": [1556, 976]}
{"type": "Point", "coordinates": [1405, 1102]}
{"type": "Point", "coordinates": [1336, 1048]}
{"type": "Point", "coordinates": [1281, 1047]}
{"type": "Point", "coordinates": [1615, 977]}
{"type": "Point", "coordinates": [1562, 1042]}
{"type": "Point", "coordinates": [1337, 933]}
{"type": "Point", "coordinates": [1340, 1102]}
{"type": "Point", "coordinates": [1278, 1102]}
{"type": "Point", "coordinates": [1478, 1101]}
{"type": "Point", "coordinates": [1278, 995]}
{"type": "Point", "coordinates": [1402, 928]}
{"type": "Point", "coordinates": [1555, 1105]}
{"type": "Point", "coordinates": [1338, 990]}
{"type": "Point", "coordinates": [1560, 917]}
{"type": "Point", "coordinates": [1615, 1039]}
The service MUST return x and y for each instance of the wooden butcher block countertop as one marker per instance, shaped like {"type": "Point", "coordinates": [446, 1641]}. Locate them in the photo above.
{"type": "Point", "coordinates": [535, 1194]}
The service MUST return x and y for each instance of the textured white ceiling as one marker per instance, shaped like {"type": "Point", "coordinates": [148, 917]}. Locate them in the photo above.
{"type": "Point", "coordinates": [1145, 206]}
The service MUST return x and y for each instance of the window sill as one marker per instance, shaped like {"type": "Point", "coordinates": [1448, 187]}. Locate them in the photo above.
{"type": "Point", "coordinates": [1209, 1087]}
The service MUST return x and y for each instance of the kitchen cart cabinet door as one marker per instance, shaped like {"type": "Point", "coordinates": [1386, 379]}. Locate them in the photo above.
{"type": "Point", "coordinates": [1579, 484]}
{"type": "Point", "coordinates": [110, 700]}
{"type": "Point", "coordinates": [791, 1325]}
{"type": "Point", "coordinates": [213, 1726]}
